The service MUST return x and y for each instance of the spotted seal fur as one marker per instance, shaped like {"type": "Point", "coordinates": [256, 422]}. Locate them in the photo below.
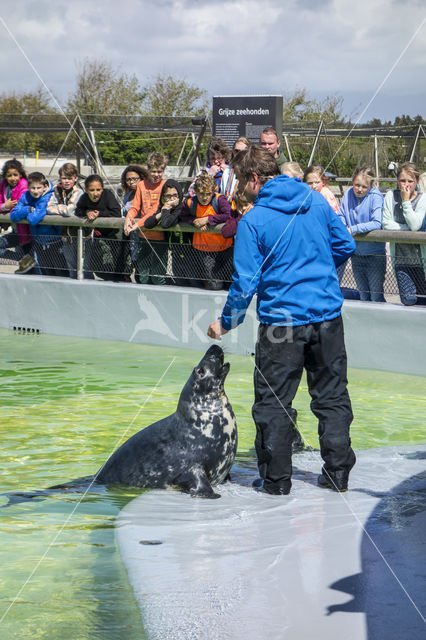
{"type": "Point", "coordinates": [192, 449]}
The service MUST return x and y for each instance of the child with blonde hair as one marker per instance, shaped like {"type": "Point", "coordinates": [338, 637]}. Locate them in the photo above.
{"type": "Point", "coordinates": [151, 262]}
{"type": "Point", "coordinates": [292, 170]}
{"type": "Point", "coordinates": [205, 210]}
{"type": "Point", "coordinates": [63, 202]}
{"type": "Point", "coordinates": [404, 209]}
{"type": "Point", "coordinates": [361, 211]}
{"type": "Point", "coordinates": [316, 179]}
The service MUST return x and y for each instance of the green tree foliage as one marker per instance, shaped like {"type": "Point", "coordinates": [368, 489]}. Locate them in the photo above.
{"type": "Point", "coordinates": [125, 147]}
{"type": "Point", "coordinates": [24, 105]}
{"type": "Point", "coordinates": [168, 96]}
{"type": "Point", "coordinates": [342, 155]}
{"type": "Point", "coordinates": [400, 121]}
{"type": "Point", "coordinates": [299, 107]}
{"type": "Point", "coordinates": [27, 103]}
{"type": "Point", "coordinates": [408, 120]}
{"type": "Point", "coordinates": [102, 89]}
{"type": "Point", "coordinates": [165, 97]}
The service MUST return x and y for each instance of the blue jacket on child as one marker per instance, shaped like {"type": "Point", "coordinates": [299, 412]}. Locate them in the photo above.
{"type": "Point", "coordinates": [362, 215]}
{"type": "Point", "coordinates": [287, 249]}
{"type": "Point", "coordinates": [34, 210]}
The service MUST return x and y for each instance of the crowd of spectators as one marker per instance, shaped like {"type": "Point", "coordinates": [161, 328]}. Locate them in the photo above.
{"type": "Point", "coordinates": [148, 255]}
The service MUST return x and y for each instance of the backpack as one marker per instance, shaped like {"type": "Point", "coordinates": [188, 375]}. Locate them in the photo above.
{"type": "Point", "coordinates": [193, 204]}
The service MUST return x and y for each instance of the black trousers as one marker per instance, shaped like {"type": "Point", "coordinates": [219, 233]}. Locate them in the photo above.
{"type": "Point", "coordinates": [281, 355]}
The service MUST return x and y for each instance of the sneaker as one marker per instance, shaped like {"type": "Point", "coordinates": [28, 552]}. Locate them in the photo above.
{"type": "Point", "coordinates": [336, 481]}
{"type": "Point", "coordinates": [26, 264]}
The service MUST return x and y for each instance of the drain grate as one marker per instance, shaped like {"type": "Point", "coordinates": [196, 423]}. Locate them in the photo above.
{"type": "Point", "coordinates": [20, 329]}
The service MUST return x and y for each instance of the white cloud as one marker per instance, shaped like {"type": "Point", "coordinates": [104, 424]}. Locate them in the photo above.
{"type": "Point", "coordinates": [234, 46]}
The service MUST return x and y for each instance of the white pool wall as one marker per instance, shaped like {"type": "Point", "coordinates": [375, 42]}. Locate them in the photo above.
{"type": "Point", "coordinates": [381, 336]}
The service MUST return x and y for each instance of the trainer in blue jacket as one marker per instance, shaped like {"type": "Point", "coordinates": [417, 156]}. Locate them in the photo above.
{"type": "Point", "coordinates": [287, 249]}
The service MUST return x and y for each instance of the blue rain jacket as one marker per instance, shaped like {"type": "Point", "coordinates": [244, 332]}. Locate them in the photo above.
{"type": "Point", "coordinates": [34, 210]}
{"type": "Point", "coordinates": [287, 249]}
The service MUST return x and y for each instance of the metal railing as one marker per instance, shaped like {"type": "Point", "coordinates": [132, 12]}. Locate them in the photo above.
{"type": "Point", "coordinates": [115, 257]}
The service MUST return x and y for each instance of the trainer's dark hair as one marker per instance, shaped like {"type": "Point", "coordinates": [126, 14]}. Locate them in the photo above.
{"type": "Point", "coordinates": [13, 164]}
{"type": "Point", "coordinates": [255, 160]}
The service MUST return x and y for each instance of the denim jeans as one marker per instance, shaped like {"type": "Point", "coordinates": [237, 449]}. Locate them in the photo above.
{"type": "Point", "coordinates": [369, 273]}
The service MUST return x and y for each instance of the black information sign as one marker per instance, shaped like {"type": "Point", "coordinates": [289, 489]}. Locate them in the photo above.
{"type": "Point", "coordinates": [236, 116]}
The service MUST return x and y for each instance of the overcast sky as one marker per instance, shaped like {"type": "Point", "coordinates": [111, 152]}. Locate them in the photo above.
{"type": "Point", "coordinates": [231, 47]}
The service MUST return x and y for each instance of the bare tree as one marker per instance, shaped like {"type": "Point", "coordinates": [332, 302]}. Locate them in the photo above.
{"type": "Point", "coordinates": [102, 89]}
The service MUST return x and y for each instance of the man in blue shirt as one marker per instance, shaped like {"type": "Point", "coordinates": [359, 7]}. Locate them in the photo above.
{"type": "Point", "coordinates": [287, 249]}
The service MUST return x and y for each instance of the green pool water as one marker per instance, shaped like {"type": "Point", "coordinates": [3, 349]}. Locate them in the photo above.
{"type": "Point", "coordinates": [66, 405]}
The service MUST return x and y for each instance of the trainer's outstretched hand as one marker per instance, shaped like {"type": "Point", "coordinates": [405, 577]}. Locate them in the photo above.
{"type": "Point", "coordinates": [216, 331]}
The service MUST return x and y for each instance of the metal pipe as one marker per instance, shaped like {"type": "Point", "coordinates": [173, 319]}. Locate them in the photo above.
{"type": "Point", "coordinates": [315, 144]}
{"type": "Point", "coordinates": [288, 148]}
{"type": "Point", "coordinates": [409, 237]}
{"type": "Point", "coordinates": [376, 155]}
{"type": "Point", "coordinates": [80, 254]}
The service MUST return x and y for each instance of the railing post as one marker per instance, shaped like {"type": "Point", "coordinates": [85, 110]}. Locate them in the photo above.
{"type": "Point", "coordinates": [80, 253]}
{"type": "Point", "coordinates": [311, 159]}
{"type": "Point", "coordinates": [288, 148]}
{"type": "Point", "coordinates": [376, 156]}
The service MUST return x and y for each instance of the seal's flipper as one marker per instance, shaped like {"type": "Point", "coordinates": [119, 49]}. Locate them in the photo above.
{"type": "Point", "coordinates": [80, 485]}
{"type": "Point", "coordinates": [195, 482]}
{"type": "Point", "coordinates": [17, 498]}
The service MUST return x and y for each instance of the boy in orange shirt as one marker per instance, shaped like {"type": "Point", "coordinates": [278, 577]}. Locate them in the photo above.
{"type": "Point", "coordinates": [214, 252]}
{"type": "Point", "coordinates": [151, 263]}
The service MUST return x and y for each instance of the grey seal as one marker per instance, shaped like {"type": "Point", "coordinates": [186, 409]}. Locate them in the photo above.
{"type": "Point", "coordinates": [191, 450]}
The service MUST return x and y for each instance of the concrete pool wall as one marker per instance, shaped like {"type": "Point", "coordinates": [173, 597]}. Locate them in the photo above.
{"type": "Point", "coordinates": [387, 337]}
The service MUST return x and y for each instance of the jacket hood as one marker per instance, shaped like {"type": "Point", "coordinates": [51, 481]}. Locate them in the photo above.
{"type": "Point", "coordinates": [46, 195]}
{"type": "Point", "coordinates": [285, 194]}
{"type": "Point", "coordinates": [172, 183]}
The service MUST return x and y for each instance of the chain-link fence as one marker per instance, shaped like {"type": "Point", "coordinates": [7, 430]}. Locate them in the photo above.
{"type": "Point", "coordinates": [107, 254]}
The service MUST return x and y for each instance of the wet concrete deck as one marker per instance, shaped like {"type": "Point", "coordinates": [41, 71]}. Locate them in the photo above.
{"type": "Point", "coordinates": [313, 565]}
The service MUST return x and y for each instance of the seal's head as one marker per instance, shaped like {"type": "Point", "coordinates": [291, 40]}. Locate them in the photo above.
{"type": "Point", "coordinates": [207, 378]}
{"type": "Point", "coordinates": [209, 375]}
